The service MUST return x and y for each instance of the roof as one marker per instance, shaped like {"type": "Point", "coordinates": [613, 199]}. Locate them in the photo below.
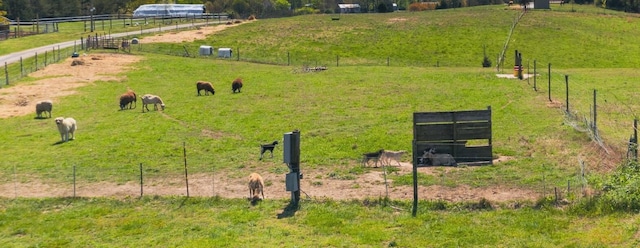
{"type": "Point", "coordinates": [348, 5]}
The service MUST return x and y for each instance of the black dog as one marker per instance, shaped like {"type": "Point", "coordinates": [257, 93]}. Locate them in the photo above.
{"type": "Point", "coordinates": [267, 147]}
{"type": "Point", "coordinates": [375, 156]}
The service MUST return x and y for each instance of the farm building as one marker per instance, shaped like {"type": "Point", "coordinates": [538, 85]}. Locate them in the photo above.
{"type": "Point", "coordinates": [170, 10]}
{"type": "Point", "coordinates": [349, 7]}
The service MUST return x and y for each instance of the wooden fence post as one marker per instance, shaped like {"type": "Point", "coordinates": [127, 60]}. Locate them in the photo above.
{"type": "Point", "coordinates": [74, 181]}
{"type": "Point", "coordinates": [594, 126]}
{"type": "Point", "coordinates": [550, 82]}
{"type": "Point", "coordinates": [141, 182]}
{"type": "Point", "coordinates": [186, 175]}
{"type": "Point", "coordinates": [635, 140]}
{"type": "Point", "coordinates": [535, 88]}
{"type": "Point", "coordinates": [566, 84]}
{"type": "Point", "coordinates": [6, 73]}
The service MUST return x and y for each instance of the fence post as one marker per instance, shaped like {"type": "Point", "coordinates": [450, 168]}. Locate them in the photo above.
{"type": "Point", "coordinates": [595, 114]}
{"type": "Point", "coordinates": [36, 61]}
{"type": "Point", "coordinates": [238, 54]}
{"type": "Point", "coordinates": [337, 60]}
{"type": "Point", "coordinates": [45, 58]}
{"type": "Point", "coordinates": [21, 68]}
{"type": "Point", "coordinates": [186, 177]}
{"type": "Point", "coordinates": [550, 82]}
{"type": "Point", "coordinates": [288, 59]}
{"type": "Point", "coordinates": [566, 83]}
{"type": "Point", "coordinates": [74, 181]}
{"type": "Point", "coordinates": [535, 88]}
{"type": "Point", "coordinates": [141, 182]}
{"type": "Point", "coordinates": [6, 72]}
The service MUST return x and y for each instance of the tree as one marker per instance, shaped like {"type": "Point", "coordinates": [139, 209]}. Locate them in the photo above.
{"type": "Point", "coordinates": [2, 12]}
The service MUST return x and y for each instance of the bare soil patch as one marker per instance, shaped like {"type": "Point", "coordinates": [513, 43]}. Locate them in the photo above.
{"type": "Point", "coordinates": [187, 36]}
{"type": "Point", "coordinates": [314, 185]}
{"type": "Point", "coordinates": [58, 80]}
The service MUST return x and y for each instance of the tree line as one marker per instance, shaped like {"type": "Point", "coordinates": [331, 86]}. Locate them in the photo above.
{"type": "Point", "coordinates": [33, 9]}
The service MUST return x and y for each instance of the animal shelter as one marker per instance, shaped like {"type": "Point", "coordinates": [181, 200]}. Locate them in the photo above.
{"type": "Point", "coordinates": [225, 52]}
{"type": "Point", "coordinates": [206, 50]}
{"type": "Point", "coordinates": [465, 135]}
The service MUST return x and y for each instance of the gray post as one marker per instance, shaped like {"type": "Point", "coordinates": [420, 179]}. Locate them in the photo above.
{"type": "Point", "coordinates": [21, 68]}
{"type": "Point", "coordinates": [291, 155]}
{"type": "Point", "coordinates": [36, 61]}
{"type": "Point", "coordinates": [288, 59]}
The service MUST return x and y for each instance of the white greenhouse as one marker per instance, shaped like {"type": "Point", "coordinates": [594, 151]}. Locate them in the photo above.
{"type": "Point", "coordinates": [168, 10]}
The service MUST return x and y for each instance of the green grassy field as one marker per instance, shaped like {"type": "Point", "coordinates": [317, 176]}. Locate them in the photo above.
{"type": "Point", "coordinates": [359, 106]}
{"type": "Point", "coordinates": [215, 222]}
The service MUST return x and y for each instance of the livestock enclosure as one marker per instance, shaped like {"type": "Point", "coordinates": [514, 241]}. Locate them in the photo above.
{"type": "Point", "coordinates": [466, 135]}
{"type": "Point", "coordinates": [123, 181]}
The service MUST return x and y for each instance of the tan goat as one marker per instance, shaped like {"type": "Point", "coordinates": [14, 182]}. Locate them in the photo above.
{"type": "Point", "coordinates": [256, 186]}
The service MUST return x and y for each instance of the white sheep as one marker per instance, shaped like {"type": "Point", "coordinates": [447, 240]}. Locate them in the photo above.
{"type": "Point", "coordinates": [44, 106]}
{"type": "Point", "coordinates": [67, 127]}
{"type": "Point", "coordinates": [438, 159]}
{"type": "Point", "coordinates": [256, 186]}
{"type": "Point", "coordinates": [151, 99]}
{"type": "Point", "coordinates": [388, 156]}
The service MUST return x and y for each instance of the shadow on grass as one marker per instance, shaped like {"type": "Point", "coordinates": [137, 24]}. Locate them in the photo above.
{"type": "Point", "coordinates": [289, 211]}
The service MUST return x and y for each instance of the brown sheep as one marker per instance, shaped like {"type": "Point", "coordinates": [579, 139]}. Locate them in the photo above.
{"type": "Point", "coordinates": [206, 86]}
{"type": "Point", "coordinates": [236, 85]}
{"type": "Point", "coordinates": [128, 98]}
{"type": "Point", "coordinates": [256, 186]}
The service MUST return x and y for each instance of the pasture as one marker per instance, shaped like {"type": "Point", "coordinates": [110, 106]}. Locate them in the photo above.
{"type": "Point", "coordinates": [342, 113]}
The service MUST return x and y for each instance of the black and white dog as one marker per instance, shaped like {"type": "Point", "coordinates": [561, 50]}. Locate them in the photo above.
{"type": "Point", "coordinates": [267, 147]}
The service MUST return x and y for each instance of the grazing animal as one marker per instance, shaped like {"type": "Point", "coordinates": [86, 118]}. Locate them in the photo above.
{"type": "Point", "coordinates": [438, 159]}
{"type": "Point", "coordinates": [151, 99]}
{"type": "Point", "coordinates": [67, 128]}
{"type": "Point", "coordinates": [129, 98]}
{"type": "Point", "coordinates": [44, 106]}
{"type": "Point", "coordinates": [267, 147]}
{"type": "Point", "coordinates": [372, 156]}
{"type": "Point", "coordinates": [236, 85]}
{"type": "Point", "coordinates": [388, 156]}
{"type": "Point", "coordinates": [206, 86]}
{"type": "Point", "coordinates": [256, 186]}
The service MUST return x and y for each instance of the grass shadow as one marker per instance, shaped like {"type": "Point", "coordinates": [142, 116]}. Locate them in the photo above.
{"type": "Point", "coordinates": [289, 211]}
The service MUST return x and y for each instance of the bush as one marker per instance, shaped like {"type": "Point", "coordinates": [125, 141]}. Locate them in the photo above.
{"type": "Point", "coordinates": [422, 6]}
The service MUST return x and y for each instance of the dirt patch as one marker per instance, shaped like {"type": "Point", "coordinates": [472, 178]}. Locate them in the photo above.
{"type": "Point", "coordinates": [314, 185]}
{"type": "Point", "coordinates": [187, 36]}
{"type": "Point", "coordinates": [57, 80]}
